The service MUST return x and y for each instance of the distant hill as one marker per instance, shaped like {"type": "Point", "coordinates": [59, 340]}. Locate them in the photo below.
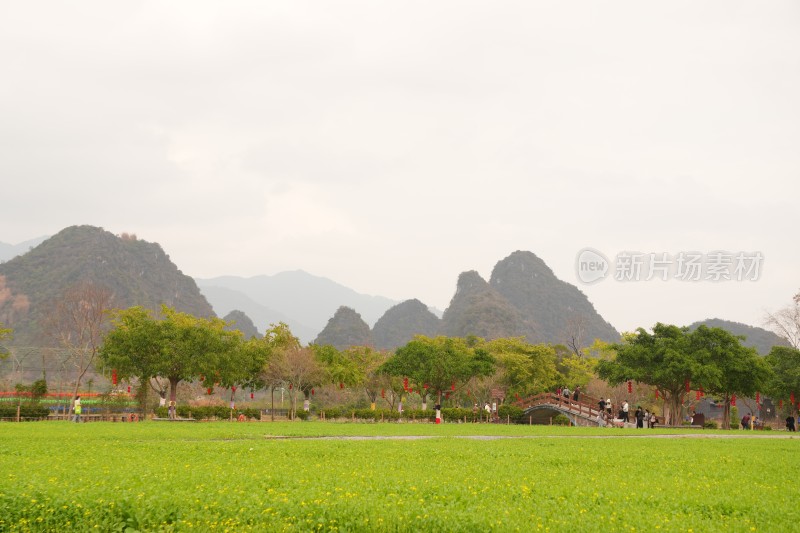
{"type": "Point", "coordinates": [477, 309]}
{"type": "Point", "coordinates": [225, 301]}
{"type": "Point", "coordinates": [305, 300]}
{"type": "Point", "coordinates": [137, 272]}
{"type": "Point", "coordinates": [522, 299]}
{"type": "Point", "coordinates": [553, 310]}
{"type": "Point", "coordinates": [10, 251]}
{"type": "Point", "coordinates": [345, 329]}
{"type": "Point", "coordinates": [243, 323]}
{"type": "Point", "coordinates": [400, 323]}
{"type": "Point", "coordinates": [759, 338]}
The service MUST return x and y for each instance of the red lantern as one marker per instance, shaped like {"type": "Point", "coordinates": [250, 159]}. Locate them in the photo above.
{"type": "Point", "coordinates": [233, 389]}
{"type": "Point", "coordinates": [341, 385]}
{"type": "Point", "coordinates": [290, 386]}
{"type": "Point", "coordinates": [114, 376]}
{"type": "Point", "coordinates": [453, 386]}
{"type": "Point", "coordinates": [630, 386]}
{"type": "Point", "coordinates": [758, 398]}
{"type": "Point", "coordinates": [656, 394]}
{"type": "Point", "coordinates": [129, 389]}
{"type": "Point", "coordinates": [733, 401]}
{"type": "Point", "coordinates": [312, 392]}
{"type": "Point", "coordinates": [688, 386]}
{"type": "Point", "coordinates": [208, 391]}
{"type": "Point", "coordinates": [251, 395]}
{"type": "Point", "coordinates": [697, 395]}
{"type": "Point", "coordinates": [425, 386]}
{"type": "Point", "coordinates": [383, 393]}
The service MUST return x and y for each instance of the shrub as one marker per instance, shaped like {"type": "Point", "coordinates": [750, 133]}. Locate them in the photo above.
{"type": "Point", "coordinates": [511, 412]}
{"type": "Point", "coordinates": [711, 424]}
{"type": "Point", "coordinates": [26, 411]}
{"type": "Point", "coordinates": [561, 420]}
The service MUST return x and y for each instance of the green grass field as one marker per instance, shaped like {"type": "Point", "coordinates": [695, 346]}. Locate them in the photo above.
{"type": "Point", "coordinates": [240, 476]}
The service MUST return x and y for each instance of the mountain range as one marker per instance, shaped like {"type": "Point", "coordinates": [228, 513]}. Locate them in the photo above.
{"type": "Point", "coordinates": [522, 297]}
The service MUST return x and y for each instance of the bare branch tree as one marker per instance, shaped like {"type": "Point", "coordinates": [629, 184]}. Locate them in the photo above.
{"type": "Point", "coordinates": [78, 321]}
{"type": "Point", "coordinates": [786, 322]}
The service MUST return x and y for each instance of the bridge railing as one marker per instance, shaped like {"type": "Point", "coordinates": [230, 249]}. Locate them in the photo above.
{"type": "Point", "coordinates": [580, 407]}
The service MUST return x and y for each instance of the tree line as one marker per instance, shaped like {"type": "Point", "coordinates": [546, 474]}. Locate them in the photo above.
{"type": "Point", "coordinates": [162, 350]}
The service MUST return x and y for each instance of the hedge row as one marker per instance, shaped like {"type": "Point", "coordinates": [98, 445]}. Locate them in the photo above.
{"type": "Point", "coordinates": [26, 411]}
{"type": "Point", "coordinates": [207, 412]}
{"type": "Point", "coordinates": [453, 414]}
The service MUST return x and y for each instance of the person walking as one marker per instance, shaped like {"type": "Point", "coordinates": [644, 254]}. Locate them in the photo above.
{"type": "Point", "coordinates": [608, 406]}
{"type": "Point", "coordinates": [77, 410]}
{"type": "Point", "coordinates": [625, 409]}
{"type": "Point", "coordinates": [790, 423]}
{"type": "Point", "coordinates": [577, 394]}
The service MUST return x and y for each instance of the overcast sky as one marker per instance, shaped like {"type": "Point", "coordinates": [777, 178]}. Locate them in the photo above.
{"type": "Point", "coordinates": [390, 146]}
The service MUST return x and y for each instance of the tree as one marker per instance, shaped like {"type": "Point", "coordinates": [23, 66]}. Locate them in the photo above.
{"type": "Point", "coordinates": [298, 367]}
{"type": "Point", "coordinates": [177, 347]}
{"type": "Point", "coordinates": [673, 360]}
{"type": "Point", "coordinates": [785, 378]}
{"type": "Point", "coordinates": [786, 322]}
{"type": "Point", "coordinates": [436, 365]}
{"type": "Point", "coordinates": [731, 369]}
{"type": "Point", "coordinates": [78, 320]}
{"type": "Point", "coordinates": [662, 359]}
{"type": "Point", "coordinates": [523, 368]}
{"type": "Point", "coordinates": [278, 339]}
{"type": "Point", "coordinates": [5, 333]}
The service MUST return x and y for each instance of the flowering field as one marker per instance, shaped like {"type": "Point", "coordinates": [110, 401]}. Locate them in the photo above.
{"type": "Point", "coordinates": [238, 477]}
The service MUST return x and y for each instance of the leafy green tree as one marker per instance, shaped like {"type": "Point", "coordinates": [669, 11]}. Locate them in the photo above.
{"type": "Point", "coordinates": [731, 368]}
{"type": "Point", "coordinates": [672, 359]}
{"type": "Point", "coordinates": [663, 359]}
{"type": "Point", "coordinates": [179, 347]}
{"type": "Point", "coordinates": [5, 333]}
{"type": "Point", "coordinates": [785, 378]}
{"type": "Point", "coordinates": [437, 365]}
{"type": "Point", "coordinates": [368, 361]}
{"type": "Point", "coordinates": [338, 367]}
{"type": "Point", "coordinates": [523, 368]}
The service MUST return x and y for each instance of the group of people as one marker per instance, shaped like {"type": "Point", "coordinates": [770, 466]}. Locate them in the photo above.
{"type": "Point", "coordinates": [566, 393]}
{"type": "Point", "coordinates": [643, 417]}
{"type": "Point", "coordinates": [752, 422]}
